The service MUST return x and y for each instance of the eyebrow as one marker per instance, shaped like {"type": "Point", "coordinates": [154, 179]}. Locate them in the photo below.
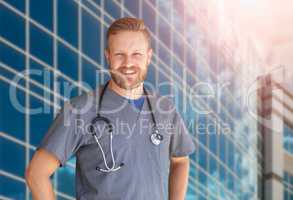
{"type": "Point", "coordinates": [122, 51]}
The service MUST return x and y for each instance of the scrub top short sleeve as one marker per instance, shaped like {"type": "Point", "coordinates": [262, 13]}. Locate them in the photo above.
{"type": "Point", "coordinates": [181, 143]}
{"type": "Point", "coordinates": [61, 138]}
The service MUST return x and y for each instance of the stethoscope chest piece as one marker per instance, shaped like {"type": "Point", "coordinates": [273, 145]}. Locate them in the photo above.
{"type": "Point", "coordinates": [156, 138]}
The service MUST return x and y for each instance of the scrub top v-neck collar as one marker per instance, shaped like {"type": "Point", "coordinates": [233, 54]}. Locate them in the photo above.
{"type": "Point", "coordinates": [127, 112]}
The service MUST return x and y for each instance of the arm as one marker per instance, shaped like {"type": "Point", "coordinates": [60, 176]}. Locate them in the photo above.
{"type": "Point", "coordinates": [178, 178]}
{"type": "Point", "coordinates": [37, 175]}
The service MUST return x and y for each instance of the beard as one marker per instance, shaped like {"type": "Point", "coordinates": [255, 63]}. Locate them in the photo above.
{"type": "Point", "coordinates": [128, 81]}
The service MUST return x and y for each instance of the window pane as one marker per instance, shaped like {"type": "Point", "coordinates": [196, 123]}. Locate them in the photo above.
{"type": "Point", "coordinates": [42, 12]}
{"type": "Point", "coordinates": [66, 180]}
{"type": "Point", "coordinates": [113, 9]}
{"type": "Point", "coordinates": [91, 37]}
{"type": "Point", "coordinates": [11, 189]}
{"type": "Point", "coordinates": [202, 157]}
{"type": "Point", "coordinates": [90, 74]}
{"type": "Point", "coordinates": [9, 114]}
{"type": "Point", "coordinates": [149, 17]}
{"type": "Point", "coordinates": [132, 6]}
{"type": "Point", "coordinates": [164, 32]}
{"type": "Point", "coordinates": [12, 58]}
{"type": "Point", "coordinates": [67, 61]}
{"type": "Point", "coordinates": [68, 21]}
{"type": "Point", "coordinates": [41, 74]}
{"type": "Point", "coordinates": [14, 30]}
{"type": "Point", "coordinates": [41, 45]}
{"type": "Point", "coordinates": [151, 76]}
{"type": "Point", "coordinates": [40, 120]}
{"type": "Point", "coordinates": [14, 161]}
{"type": "Point", "coordinates": [18, 4]}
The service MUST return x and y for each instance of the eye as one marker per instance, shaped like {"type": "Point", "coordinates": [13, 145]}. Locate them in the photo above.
{"type": "Point", "coordinates": [118, 54]}
{"type": "Point", "coordinates": [137, 54]}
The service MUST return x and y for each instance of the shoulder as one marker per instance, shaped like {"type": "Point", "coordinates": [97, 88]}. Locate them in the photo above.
{"type": "Point", "coordinates": [163, 103]}
{"type": "Point", "coordinates": [85, 100]}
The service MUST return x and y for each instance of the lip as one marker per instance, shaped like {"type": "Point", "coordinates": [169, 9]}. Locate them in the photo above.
{"type": "Point", "coordinates": [128, 71]}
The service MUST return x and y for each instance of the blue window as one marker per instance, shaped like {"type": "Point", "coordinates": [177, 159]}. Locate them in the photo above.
{"type": "Point", "coordinates": [90, 74]}
{"type": "Point", "coordinates": [164, 32]}
{"type": "Point", "coordinates": [178, 22]}
{"type": "Point", "coordinates": [164, 8]}
{"type": "Point", "coordinates": [132, 6]}
{"type": "Point", "coordinates": [178, 95]}
{"type": "Point", "coordinates": [20, 5]}
{"type": "Point", "coordinates": [42, 11]}
{"type": "Point", "coordinates": [191, 81]}
{"type": "Point", "coordinates": [92, 7]}
{"type": "Point", "coordinates": [11, 76]}
{"type": "Point", "coordinates": [202, 160]}
{"type": "Point", "coordinates": [41, 74]}
{"type": "Point", "coordinates": [10, 188]}
{"type": "Point", "coordinates": [230, 157]}
{"type": "Point", "coordinates": [288, 139]}
{"type": "Point", "coordinates": [10, 115]}
{"type": "Point", "coordinates": [151, 76]}
{"type": "Point", "coordinates": [213, 166]}
{"type": "Point", "coordinates": [178, 46]}
{"type": "Point", "coordinates": [201, 129]}
{"type": "Point", "coordinates": [164, 83]}
{"type": "Point", "coordinates": [12, 27]}
{"type": "Point", "coordinates": [66, 180]}
{"type": "Point", "coordinates": [230, 181]}
{"type": "Point", "coordinates": [91, 37]}
{"type": "Point", "coordinates": [164, 55]}
{"type": "Point", "coordinates": [14, 161]}
{"type": "Point", "coordinates": [177, 68]}
{"type": "Point", "coordinates": [222, 174]}
{"type": "Point", "coordinates": [41, 45]}
{"type": "Point", "coordinates": [149, 16]}
{"type": "Point", "coordinates": [40, 120]}
{"type": "Point", "coordinates": [202, 178]}
{"type": "Point", "coordinates": [12, 58]}
{"type": "Point", "coordinates": [190, 59]}
{"type": "Point", "coordinates": [113, 9]}
{"type": "Point", "coordinates": [222, 147]}
{"type": "Point", "coordinates": [68, 21]}
{"type": "Point", "coordinates": [212, 138]}
{"type": "Point", "coordinates": [41, 92]}
{"type": "Point", "coordinates": [67, 61]}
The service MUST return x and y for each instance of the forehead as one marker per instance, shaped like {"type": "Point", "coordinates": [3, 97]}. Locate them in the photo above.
{"type": "Point", "coordinates": [128, 40]}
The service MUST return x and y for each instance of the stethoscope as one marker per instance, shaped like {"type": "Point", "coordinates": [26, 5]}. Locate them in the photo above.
{"type": "Point", "coordinates": [156, 138]}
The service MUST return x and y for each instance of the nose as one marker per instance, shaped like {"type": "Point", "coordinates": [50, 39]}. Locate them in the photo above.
{"type": "Point", "coordinates": [127, 62]}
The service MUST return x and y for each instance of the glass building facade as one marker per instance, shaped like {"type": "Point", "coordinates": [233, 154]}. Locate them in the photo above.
{"type": "Point", "coordinates": [205, 65]}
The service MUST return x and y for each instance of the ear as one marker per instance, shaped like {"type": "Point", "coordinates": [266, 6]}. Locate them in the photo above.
{"type": "Point", "coordinates": [150, 54]}
{"type": "Point", "coordinates": [107, 55]}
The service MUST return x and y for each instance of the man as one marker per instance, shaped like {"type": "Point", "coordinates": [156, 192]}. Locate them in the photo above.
{"type": "Point", "coordinates": [133, 162]}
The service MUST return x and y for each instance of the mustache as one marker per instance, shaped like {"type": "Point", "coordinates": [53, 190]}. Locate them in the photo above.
{"type": "Point", "coordinates": [123, 69]}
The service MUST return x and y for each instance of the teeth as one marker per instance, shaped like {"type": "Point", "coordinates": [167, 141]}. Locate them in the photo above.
{"type": "Point", "coordinates": [129, 72]}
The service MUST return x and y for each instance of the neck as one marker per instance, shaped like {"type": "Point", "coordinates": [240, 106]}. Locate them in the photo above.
{"type": "Point", "coordinates": [133, 93]}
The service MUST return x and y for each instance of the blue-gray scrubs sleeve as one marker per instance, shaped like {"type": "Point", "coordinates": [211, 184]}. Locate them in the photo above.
{"type": "Point", "coordinates": [181, 141]}
{"type": "Point", "coordinates": [61, 139]}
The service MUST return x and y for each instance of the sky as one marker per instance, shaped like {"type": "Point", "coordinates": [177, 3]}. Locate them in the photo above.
{"type": "Point", "coordinates": [270, 24]}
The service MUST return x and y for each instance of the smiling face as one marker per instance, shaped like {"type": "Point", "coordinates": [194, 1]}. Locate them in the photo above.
{"type": "Point", "coordinates": [128, 55]}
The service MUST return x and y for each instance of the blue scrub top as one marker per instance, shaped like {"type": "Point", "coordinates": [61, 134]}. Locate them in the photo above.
{"type": "Point", "coordinates": [146, 166]}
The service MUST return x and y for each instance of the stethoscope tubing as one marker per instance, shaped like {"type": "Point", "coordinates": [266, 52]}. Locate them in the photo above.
{"type": "Point", "coordinates": [155, 136]}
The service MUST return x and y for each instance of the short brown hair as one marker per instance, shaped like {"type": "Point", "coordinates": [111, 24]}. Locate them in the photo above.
{"type": "Point", "coordinates": [128, 24]}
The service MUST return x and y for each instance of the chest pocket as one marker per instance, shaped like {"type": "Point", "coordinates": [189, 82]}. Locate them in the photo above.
{"type": "Point", "coordinates": [91, 155]}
